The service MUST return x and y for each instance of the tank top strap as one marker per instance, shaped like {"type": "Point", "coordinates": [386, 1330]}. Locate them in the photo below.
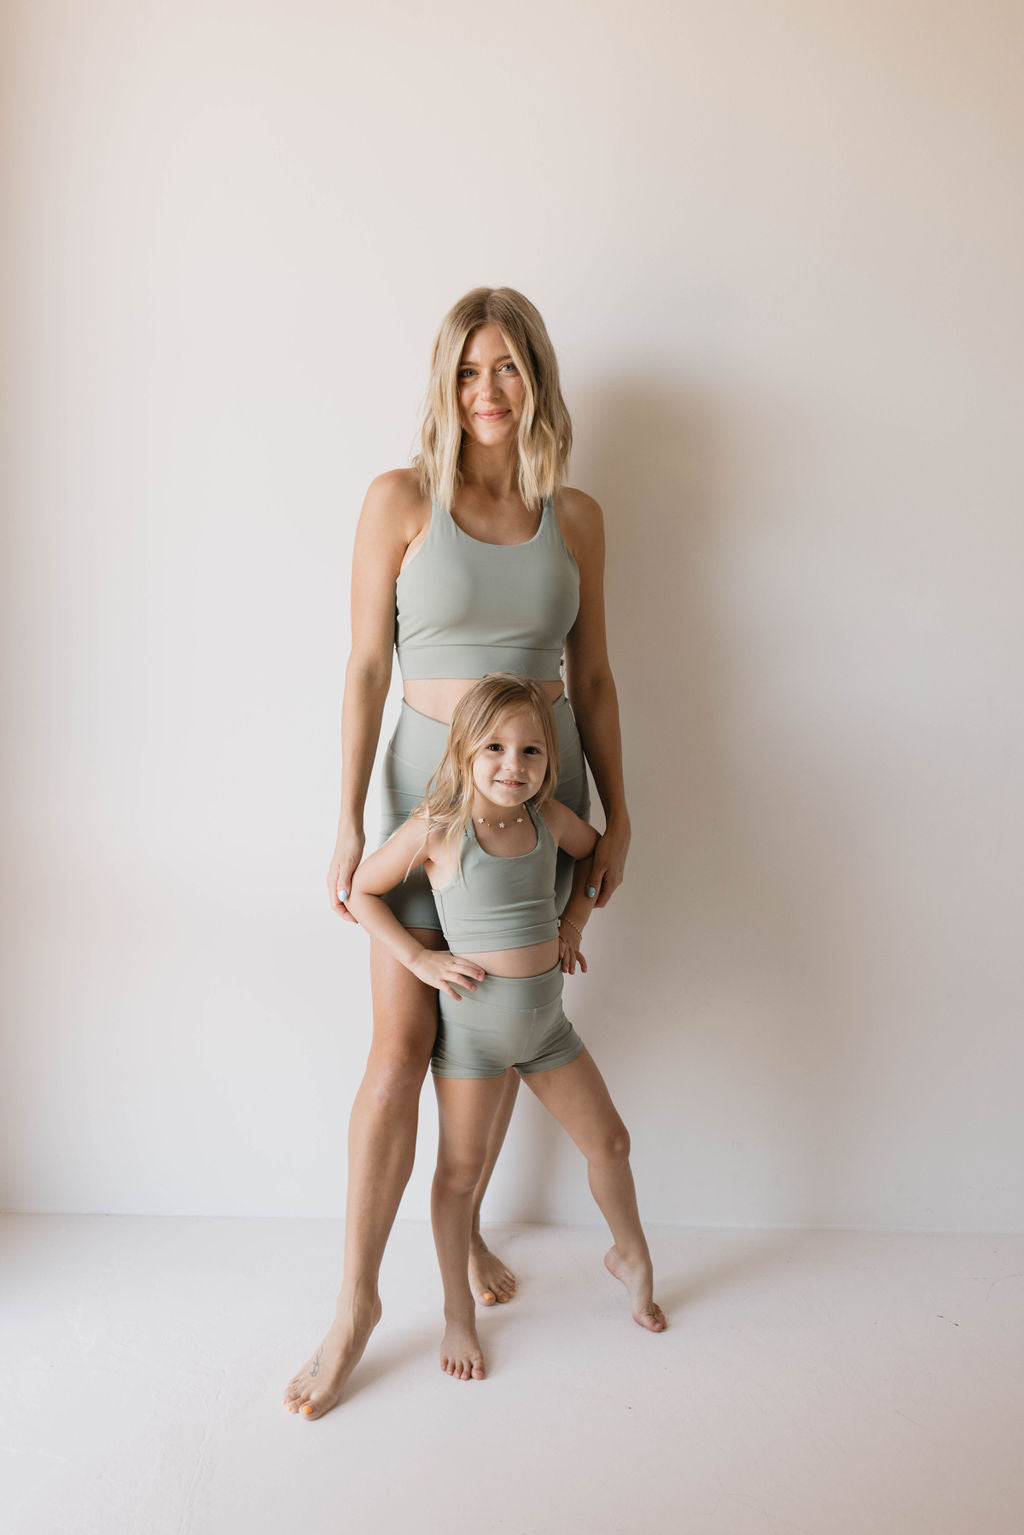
{"type": "Point", "coordinates": [442, 523]}
{"type": "Point", "coordinates": [549, 531]}
{"type": "Point", "coordinates": [544, 836]}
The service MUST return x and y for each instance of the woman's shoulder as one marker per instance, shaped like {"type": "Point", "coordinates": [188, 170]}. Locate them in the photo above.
{"type": "Point", "coordinates": [576, 502]}
{"type": "Point", "coordinates": [580, 519]}
{"type": "Point", "coordinates": [397, 490]}
{"type": "Point", "coordinates": [395, 502]}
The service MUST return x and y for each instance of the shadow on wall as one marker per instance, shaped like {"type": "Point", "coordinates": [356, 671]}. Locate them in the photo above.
{"type": "Point", "coordinates": [715, 956]}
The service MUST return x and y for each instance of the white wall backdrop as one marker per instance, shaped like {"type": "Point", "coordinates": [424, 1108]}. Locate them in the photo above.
{"type": "Point", "coordinates": [778, 245]}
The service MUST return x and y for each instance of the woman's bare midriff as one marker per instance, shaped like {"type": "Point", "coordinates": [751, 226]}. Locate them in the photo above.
{"type": "Point", "coordinates": [437, 697]}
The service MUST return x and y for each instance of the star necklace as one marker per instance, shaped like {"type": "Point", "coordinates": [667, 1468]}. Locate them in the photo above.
{"type": "Point", "coordinates": [498, 825]}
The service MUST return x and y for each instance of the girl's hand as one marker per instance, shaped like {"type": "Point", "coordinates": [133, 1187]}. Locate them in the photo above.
{"type": "Point", "coordinates": [443, 971]}
{"type": "Point", "coordinates": [609, 862]}
{"type": "Point", "coordinates": [348, 854]}
{"type": "Point", "coordinates": [569, 957]}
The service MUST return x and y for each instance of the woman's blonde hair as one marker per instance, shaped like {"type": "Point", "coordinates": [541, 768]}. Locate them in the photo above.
{"type": "Point", "coordinates": [448, 802]}
{"type": "Point", "coordinates": [545, 430]}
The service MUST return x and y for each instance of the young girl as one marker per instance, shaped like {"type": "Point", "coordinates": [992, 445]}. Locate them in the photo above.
{"type": "Point", "coordinates": [487, 835]}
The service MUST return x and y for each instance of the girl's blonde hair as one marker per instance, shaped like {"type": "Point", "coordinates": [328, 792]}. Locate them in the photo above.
{"type": "Point", "coordinates": [545, 430]}
{"type": "Point", "coordinates": [448, 802]}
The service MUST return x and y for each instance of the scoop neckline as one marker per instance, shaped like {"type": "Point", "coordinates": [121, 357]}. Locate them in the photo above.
{"type": "Point", "coordinates": [523, 544]}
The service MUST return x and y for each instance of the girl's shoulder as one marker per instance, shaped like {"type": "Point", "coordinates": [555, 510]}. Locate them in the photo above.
{"type": "Point", "coordinates": [567, 829]}
{"type": "Point", "coordinates": [554, 814]}
{"type": "Point", "coordinates": [440, 853]}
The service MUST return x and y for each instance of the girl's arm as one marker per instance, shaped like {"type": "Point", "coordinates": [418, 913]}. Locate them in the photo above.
{"type": "Point", "coordinates": [579, 839]}
{"type": "Point", "coordinates": [591, 688]}
{"type": "Point", "coordinates": [389, 521]}
{"type": "Point", "coordinates": [382, 871]}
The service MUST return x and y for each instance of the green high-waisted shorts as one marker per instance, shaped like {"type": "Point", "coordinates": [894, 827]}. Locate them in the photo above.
{"type": "Point", "coordinates": [508, 1021]}
{"type": "Point", "coordinates": [412, 755]}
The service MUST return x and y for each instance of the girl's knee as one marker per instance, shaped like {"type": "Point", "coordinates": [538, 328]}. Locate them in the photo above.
{"type": "Point", "coordinates": [614, 1147]}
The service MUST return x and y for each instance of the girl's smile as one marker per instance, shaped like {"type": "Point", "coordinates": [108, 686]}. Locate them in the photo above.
{"type": "Point", "coordinates": [509, 768]}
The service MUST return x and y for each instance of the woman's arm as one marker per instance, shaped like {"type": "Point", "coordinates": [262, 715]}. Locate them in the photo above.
{"type": "Point", "coordinates": [591, 688]}
{"type": "Point", "coordinates": [389, 521]}
{"type": "Point", "coordinates": [406, 850]}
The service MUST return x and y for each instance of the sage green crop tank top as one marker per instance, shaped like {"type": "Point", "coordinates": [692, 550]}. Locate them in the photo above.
{"type": "Point", "coordinates": [500, 903]}
{"type": "Point", "coordinates": [465, 608]}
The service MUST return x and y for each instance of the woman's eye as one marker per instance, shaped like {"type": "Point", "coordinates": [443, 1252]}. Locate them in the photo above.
{"type": "Point", "coordinates": [510, 367]}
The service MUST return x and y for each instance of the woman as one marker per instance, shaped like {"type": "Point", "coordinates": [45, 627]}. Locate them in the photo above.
{"type": "Point", "coordinates": [475, 560]}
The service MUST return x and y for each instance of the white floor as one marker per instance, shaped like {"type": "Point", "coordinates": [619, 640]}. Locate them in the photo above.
{"type": "Point", "coordinates": [812, 1383]}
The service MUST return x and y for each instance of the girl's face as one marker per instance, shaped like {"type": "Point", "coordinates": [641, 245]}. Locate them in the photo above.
{"type": "Point", "coordinates": [491, 389]}
{"type": "Point", "coordinates": [509, 768]}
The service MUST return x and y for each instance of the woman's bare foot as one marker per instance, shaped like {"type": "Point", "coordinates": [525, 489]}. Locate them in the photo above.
{"type": "Point", "coordinates": [461, 1355]}
{"type": "Point", "coordinates": [489, 1279]}
{"type": "Point", "coordinates": [638, 1277]}
{"type": "Point", "coordinates": [319, 1384]}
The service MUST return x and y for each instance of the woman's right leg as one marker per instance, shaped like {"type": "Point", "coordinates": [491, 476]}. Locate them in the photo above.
{"type": "Point", "coordinates": [382, 1145]}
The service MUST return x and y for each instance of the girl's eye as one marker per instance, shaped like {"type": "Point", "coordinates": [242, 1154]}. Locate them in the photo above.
{"type": "Point", "coordinates": [535, 750]}
{"type": "Point", "coordinates": [494, 746]}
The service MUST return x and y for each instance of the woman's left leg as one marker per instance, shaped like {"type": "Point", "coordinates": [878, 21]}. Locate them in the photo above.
{"type": "Point", "coordinates": [577, 1097]}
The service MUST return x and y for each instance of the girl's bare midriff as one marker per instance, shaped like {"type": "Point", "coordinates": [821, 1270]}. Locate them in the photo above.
{"type": "Point", "coordinates": [534, 959]}
{"type": "Point", "coordinates": [438, 696]}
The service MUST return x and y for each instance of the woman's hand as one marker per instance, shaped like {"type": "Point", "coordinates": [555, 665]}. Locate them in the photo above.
{"type": "Point", "coordinates": [443, 971]}
{"type": "Point", "coordinates": [610, 861]}
{"type": "Point", "coordinates": [348, 854]}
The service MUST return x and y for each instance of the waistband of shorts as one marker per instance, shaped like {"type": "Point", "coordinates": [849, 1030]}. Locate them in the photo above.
{"type": "Point", "coordinates": [520, 991]}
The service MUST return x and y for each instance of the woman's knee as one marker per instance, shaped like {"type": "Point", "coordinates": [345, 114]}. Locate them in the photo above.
{"type": "Point", "coordinates": [458, 1173]}
{"type": "Point", "coordinates": [395, 1072]}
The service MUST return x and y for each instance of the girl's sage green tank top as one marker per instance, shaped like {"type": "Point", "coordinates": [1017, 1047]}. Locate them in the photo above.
{"type": "Point", "coordinates": [500, 903]}
{"type": "Point", "coordinates": [466, 608]}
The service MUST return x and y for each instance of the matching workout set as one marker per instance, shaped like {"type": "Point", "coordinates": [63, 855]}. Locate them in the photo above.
{"type": "Point", "coordinates": [524, 598]}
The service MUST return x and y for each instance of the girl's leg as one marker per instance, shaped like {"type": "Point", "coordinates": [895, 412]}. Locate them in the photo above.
{"type": "Point", "coordinates": [490, 1279]}
{"type": "Point", "coordinates": [578, 1099]}
{"type": "Point", "coordinates": [466, 1110]}
{"type": "Point", "coordinates": [382, 1144]}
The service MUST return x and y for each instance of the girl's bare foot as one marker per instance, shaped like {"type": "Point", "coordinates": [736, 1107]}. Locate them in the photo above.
{"type": "Point", "coordinates": [461, 1355]}
{"type": "Point", "coordinates": [638, 1277]}
{"type": "Point", "coordinates": [319, 1384]}
{"type": "Point", "coordinates": [489, 1279]}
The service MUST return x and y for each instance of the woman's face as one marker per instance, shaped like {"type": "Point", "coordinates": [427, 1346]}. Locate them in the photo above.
{"type": "Point", "coordinates": [509, 768]}
{"type": "Point", "coordinates": [491, 389]}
